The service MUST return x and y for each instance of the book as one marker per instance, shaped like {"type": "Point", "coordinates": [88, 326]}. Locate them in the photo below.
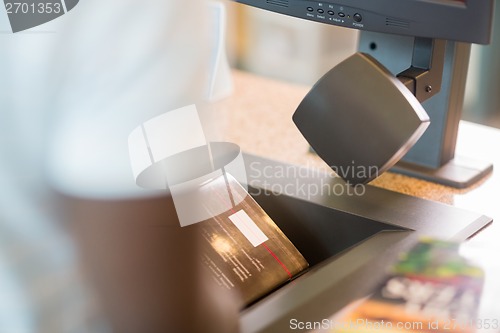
{"type": "Point", "coordinates": [430, 289]}
{"type": "Point", "coordinates": [242, 248]}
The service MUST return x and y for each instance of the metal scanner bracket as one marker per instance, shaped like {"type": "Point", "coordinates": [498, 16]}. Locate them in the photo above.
{"type": "Point", "coordinates": [437, 76]}
{"type": "Point", "coordinates": [425, 75]}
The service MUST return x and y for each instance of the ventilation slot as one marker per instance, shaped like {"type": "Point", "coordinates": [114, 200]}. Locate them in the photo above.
{"type": "Point", "coordinates": [392, 22]}
{"type": "Point", "coordinates": [281, 3]}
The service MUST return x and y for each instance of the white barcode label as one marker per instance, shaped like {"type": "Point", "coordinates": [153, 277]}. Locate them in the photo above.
{"type": "Point", "coordinates": [248, 228]}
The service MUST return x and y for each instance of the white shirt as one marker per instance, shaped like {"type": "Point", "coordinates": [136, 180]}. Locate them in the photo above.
{"type": "Point", "coordinates": [71, 91]}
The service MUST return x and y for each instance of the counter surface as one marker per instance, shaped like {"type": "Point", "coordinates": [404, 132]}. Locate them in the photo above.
{"type": "Point", "coordinates": [258, 117]}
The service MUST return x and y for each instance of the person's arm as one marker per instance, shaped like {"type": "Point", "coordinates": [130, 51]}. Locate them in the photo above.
{"type": "Point", "coordinates": [120, 63]}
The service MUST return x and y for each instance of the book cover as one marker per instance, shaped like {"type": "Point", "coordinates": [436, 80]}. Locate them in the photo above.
{"type": "Point", "coordinates": [243, 248]}
{"type": "Point", "coordinates": [430, 289]}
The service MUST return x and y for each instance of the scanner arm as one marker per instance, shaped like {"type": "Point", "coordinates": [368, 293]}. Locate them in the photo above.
{"type": "Point", "coordinates": [425, 75]}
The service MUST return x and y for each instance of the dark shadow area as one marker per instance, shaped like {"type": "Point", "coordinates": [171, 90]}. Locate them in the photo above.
{"type": "Point", "coordinates": [317, 231]}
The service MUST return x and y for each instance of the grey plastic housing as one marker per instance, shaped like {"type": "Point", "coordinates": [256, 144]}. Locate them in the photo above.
{"type": "Point", "coordinates": [349, 117]}
{"type": "Point", "coordinates": [349, 238]}
{"type": "Point", "coordinates": [458, 20]}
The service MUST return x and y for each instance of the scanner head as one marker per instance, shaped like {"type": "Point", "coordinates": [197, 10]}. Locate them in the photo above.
{"type": "Point", "coordinates": [360, 119]}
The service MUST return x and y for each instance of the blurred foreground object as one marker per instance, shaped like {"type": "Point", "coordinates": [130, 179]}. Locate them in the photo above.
{"type": "Point", "coordinates": [72, 90]}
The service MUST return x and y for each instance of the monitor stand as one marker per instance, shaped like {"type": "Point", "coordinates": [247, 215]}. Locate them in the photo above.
{"type": "Point", "coordinates": [433, 157]}
{"type": "Point", "coordinates": [348, 235]}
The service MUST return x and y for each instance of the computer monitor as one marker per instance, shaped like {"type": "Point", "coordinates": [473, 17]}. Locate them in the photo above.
{"type": "Point", "coordinates": [458, 20]}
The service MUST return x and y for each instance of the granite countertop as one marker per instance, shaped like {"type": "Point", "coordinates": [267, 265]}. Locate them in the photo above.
{"type": "Point", "coordinates": [258, 117]}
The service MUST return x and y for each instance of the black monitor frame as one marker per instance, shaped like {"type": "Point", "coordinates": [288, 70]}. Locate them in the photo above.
{"type": "Point", "coordinates": [457, 20]}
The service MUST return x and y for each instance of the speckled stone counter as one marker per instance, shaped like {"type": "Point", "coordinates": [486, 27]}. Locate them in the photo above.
{"type": "Point", "coordinates": [258, 116]}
